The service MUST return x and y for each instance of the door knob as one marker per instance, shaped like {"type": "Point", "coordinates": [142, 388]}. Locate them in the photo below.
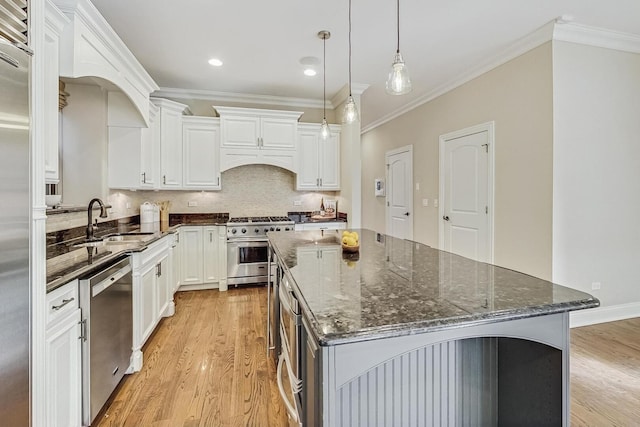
{"type": "Point", "coordinates": [406, 213]}
{"type": "Point", "coordinates": [446, 217]}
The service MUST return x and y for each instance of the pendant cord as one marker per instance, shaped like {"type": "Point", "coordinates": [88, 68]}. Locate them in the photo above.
{"type": "Point", "coordinates": [350, 48]}
{"type": "Point", "coordinates": [398, 25]}
{"type": "Point", "coordinates": [324, 76]}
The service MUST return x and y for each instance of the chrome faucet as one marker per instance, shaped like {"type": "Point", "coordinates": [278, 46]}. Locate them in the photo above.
{"type": "Point", "coordinates": [103, 214]}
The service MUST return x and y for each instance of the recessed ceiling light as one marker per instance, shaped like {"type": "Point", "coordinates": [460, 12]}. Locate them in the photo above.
{"type": "Point", "coordinates": [310, 65]}
{"type": "Point", "coordinates": [215, 62]}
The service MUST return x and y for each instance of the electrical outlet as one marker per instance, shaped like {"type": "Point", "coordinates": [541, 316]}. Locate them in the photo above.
{"type": "Point", "coordinates": [595, 286]}
{"type": "Point", "coordinates": [425, 202]}
{"type": "Point", "coordinates": [192, 204]}
{"type": "Point", "coordinates": [297, 203]}
{"type": "Point", "coordinates": [128, 205]}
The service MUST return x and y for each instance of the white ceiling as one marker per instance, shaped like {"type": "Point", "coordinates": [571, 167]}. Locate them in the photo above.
{"type": "Point", "coordinates": [261, 42]}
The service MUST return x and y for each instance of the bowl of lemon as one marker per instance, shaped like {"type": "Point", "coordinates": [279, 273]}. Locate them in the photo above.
{"type": "Point", "coordinates": [350, 241]}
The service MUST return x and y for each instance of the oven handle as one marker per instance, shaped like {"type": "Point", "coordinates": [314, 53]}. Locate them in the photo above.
{"type": "Point", "coordinates": [248, 242]}
{"type": "Point", "coordinates": [290, 408]}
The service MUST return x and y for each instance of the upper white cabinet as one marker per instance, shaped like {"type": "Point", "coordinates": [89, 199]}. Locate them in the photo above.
{"type": "Point", "coordinates": [201, 153]}
{"type": "Point", "coordinates": [90, 48]}
{"type": "Point", "coordinates": [54, 25]}
{"type": "Point", "coordinates": [255, 136]}
{"type": "Point", "coordinates": [133, 153]}
{"type": "Point", "coordinates": [318, 159]}
{"type": "Point", "coordinates": [170, 142]}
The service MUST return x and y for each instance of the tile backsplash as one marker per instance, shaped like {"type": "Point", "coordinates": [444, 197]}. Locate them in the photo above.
{"type": "Point", "coordinates": [247, 190]}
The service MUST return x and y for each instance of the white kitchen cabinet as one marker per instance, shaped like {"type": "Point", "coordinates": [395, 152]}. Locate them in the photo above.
{"type": "Point", "coordinates": [63, 357]}
{"type": "Point", "coordinates": [171, 167]}
{"type": "Point", "coordinates": [318, 159]}
{"type": "Point", "coordinates": [152, 292]}
{"type": "Point", "coordinates": [201, 153]}
{"type": "Point", "coordinates": [133, 148]}
{"type": "Point", "coordinates": [256, 136]}
{"type": "Point", "coordinates": [204, 257]}
{"type": "Point", "coordinates": [54, 25]}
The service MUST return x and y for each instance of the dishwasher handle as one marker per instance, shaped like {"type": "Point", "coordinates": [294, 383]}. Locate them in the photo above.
{"type": "Point", "coordinates": [106, 283]}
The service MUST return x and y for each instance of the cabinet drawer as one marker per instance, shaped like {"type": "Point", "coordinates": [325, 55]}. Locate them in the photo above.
{"type": "Point", "coordinates": [61, 302]}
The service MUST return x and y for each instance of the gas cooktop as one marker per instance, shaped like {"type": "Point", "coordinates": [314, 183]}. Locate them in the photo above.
{"type": "Point", "coordinates": [257, 226]}
{"type": "Point", "coordinates": [258, 219]}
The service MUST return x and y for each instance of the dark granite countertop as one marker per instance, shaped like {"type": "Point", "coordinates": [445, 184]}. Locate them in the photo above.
{"type": "Point", "coordinates": [395, 287]}
{"type": "Point", "coordinates": [65, 262]}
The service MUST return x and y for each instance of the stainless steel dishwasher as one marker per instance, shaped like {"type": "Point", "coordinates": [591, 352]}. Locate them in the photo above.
{"type": "Point", "coordinates": [107, 318]}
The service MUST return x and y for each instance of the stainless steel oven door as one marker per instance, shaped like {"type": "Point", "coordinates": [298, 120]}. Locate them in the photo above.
{"type": "Point", "coordinates": [247, 261]}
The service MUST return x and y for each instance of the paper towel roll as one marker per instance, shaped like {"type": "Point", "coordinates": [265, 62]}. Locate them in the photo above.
{"type": "Point", "coordinates": [148, 212]}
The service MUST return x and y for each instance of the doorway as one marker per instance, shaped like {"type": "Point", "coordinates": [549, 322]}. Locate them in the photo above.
{"type": "Point", "coordinates": [466, 192]}
{"type": "Point", "coordinates": [400, 192]}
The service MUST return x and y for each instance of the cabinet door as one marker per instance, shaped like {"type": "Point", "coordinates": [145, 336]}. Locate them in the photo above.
{"type": "Point", "coordinates": [150, 151]}
{"type": "Point", "coordinates": [51, 114]}
{"type": "Point", "coordinates": [308, 177]}
{"type": "Point", "coordinates": [163, 275]}
{"type": "Point", "coordinates": [201, 153]}
{"type": "Point", "coordinates": [63, 375]}
{"type": "Point", "coordinates": [177, 262]}
{"type": "Point", "coordinates": [170, 148]}
{"type": "Point", "coordinates": [211, 255]}
{"type": "Point", "coordinates": [278, 133]}
{"type": "Point", "coordinates": [329, 162]}
{"type": "Point", "coordinates": [149, 302]}
{"type": "Point", "coordinates": [124, 157]}
{"type": "Point", "coordinates": [191, 240]}
{"type": "Point", "coordinates": [240, 132]}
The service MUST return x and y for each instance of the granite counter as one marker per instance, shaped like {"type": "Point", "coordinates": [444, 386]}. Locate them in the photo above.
{"type": "Point", "coordinates": [396, 287]}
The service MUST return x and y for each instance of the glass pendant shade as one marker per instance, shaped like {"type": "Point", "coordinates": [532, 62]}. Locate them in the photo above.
{"type": "Point", "coordinates": [398, 82]}
{"type": "Point", "coordinates": [350, 112]}
{"type": "Point", "coordinates": [325, 132]}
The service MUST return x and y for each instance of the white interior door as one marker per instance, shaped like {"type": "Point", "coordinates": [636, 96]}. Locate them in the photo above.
{"type": "Point", "coordinates": [466, 183]}
{"type": "Point", "coordinates": [400, 192]}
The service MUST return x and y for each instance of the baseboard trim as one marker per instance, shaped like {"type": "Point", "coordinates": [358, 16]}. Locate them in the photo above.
{"type": "Point", "coordinates": [604, 314]}
{"type": "Point", "coordinates": [198, 287]}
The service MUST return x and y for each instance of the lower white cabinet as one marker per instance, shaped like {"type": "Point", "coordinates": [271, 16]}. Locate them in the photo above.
{"type": "Point", "coordinates": [63, 357]}
{"type": "Point", "coordinates": [203, 250]}
{"type": "Point", "coordinates": [153, 291]}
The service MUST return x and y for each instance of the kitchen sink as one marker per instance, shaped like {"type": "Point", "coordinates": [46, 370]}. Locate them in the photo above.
{"type": "Point", "coordinates": [127, 237]}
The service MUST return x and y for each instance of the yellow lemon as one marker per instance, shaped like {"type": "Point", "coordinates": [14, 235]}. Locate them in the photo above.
{"type": "Point", "coordinates": [345, 233]}
{"type": "Point", "coordinates": [345, 239]}
{"type": "Point", "coordinates": [354, 234]}
{"type": "Point", "coordinates": [350, 241]}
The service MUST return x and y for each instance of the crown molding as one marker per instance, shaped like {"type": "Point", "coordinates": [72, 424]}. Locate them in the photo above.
{"type": "Point", "coordinates": [215, 96]}
{"type": "Point", "coordinates": [556, 30]}
{"type": "Point", "coordinates": [521, 46]}
{"type": "Point", "coordinates": [597, 37]}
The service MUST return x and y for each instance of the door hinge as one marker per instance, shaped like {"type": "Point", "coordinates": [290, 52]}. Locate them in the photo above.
{"type": "Point", "coordinates": [486, 147]}
{"type": "Point", "coordinates": [486, 209]}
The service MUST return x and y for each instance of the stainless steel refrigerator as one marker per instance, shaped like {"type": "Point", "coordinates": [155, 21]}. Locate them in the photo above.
{"type": "Point", "coordinates": [14, 236]}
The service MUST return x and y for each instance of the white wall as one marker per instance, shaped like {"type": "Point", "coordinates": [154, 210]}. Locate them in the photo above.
{"type": "Point", "coordinates": [596, 169]}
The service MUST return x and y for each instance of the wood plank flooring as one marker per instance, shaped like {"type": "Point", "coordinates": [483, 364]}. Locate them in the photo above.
{"type": "Point", "coordinates": [206, 366]}
{"type": "Point", "coordinates": [605, 374]}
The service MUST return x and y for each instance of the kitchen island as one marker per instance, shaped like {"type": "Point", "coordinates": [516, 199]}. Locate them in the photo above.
{"type": "Point", "coordinates": [404, 334]}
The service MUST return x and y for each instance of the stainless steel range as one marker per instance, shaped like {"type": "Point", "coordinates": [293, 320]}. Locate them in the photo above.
{"type": "Point", "coordinates": [248, 248]}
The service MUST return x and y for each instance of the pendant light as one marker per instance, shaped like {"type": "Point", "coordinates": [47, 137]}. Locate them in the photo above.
{"type": "Point", "coordinates": [350, 113]}
{"type": "Point", "coordinates": [398, 82]}
{"type": "Point", "coordinates": [324, 127]}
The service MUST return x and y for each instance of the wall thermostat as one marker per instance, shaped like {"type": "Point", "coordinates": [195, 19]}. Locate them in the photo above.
{"type": "Point", "coordinates": [379, 184]}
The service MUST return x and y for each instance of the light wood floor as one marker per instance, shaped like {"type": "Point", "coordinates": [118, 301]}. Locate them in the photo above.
{"type": "Point", "coordinates": [605, 374]}
{"type": "Point", "coordinates": [206, 366]}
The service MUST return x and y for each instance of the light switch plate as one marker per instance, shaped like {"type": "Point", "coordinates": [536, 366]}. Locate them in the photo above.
{"type": "Point", "coordinates": [435, 203]}
{"type": "Point", "coordinates": [425, 202]}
